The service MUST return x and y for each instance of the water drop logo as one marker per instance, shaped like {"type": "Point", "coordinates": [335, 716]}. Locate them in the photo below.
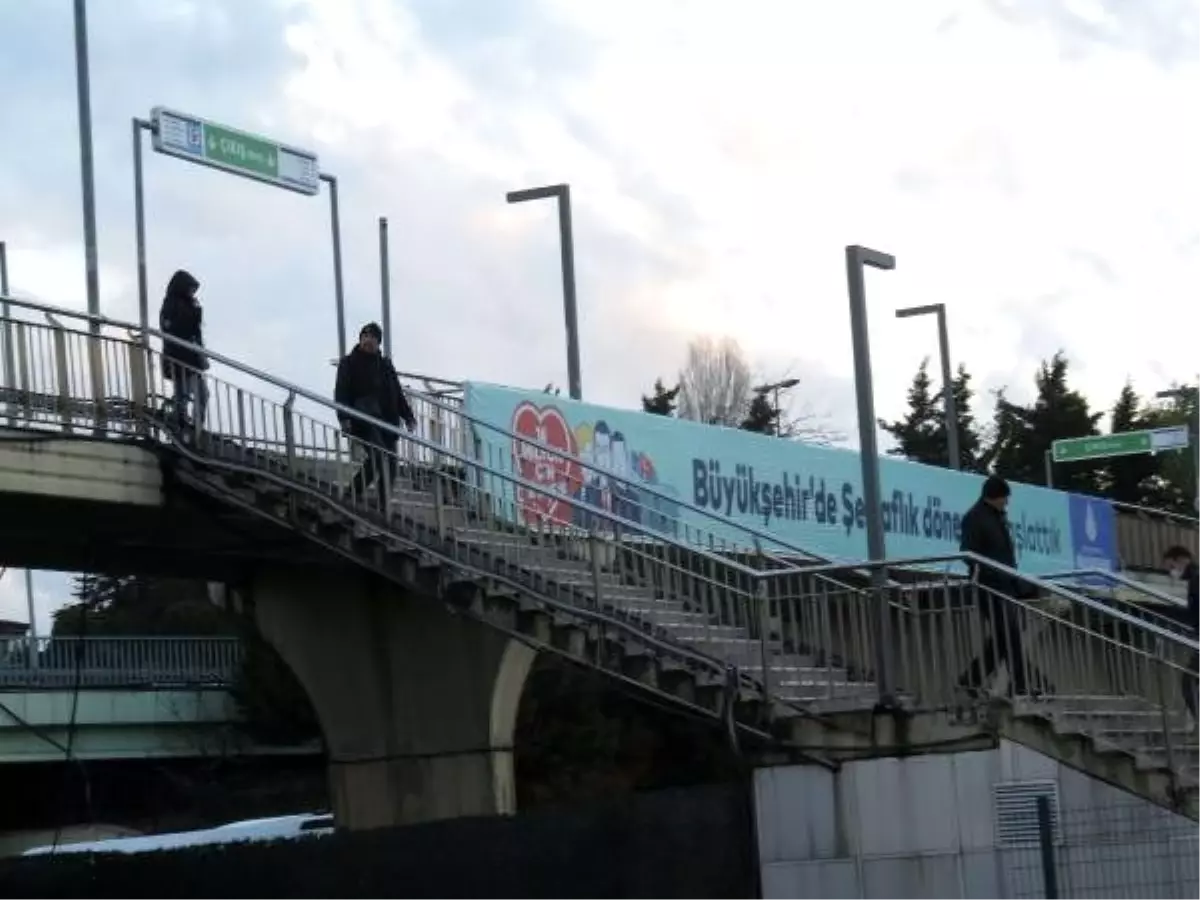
{"type": "Point", "coordinates": [1090, 527]}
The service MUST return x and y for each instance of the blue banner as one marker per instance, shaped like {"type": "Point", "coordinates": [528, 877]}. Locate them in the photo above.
{"type": "Point", "coordinates": [807, 496]}
{"type": "Point", "coordinates": [1093, 534]}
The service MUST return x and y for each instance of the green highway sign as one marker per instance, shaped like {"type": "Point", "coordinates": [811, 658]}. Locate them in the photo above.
{"type": "Point", "coordinates": [1126, 443]}
{"type": "Point", "coordinates": [200, 141]}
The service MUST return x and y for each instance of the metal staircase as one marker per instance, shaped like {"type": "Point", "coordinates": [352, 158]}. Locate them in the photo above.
{"type": "Point", "coordinates": [725, 620]}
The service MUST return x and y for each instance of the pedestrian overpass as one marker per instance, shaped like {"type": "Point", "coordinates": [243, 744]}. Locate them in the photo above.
{"type": "Point", "coordinates": [111, 698]}
{"type": "Point", "coordinates": [413, 628]}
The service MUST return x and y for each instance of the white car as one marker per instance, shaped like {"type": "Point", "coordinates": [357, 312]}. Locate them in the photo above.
{"type": "Point", "coordinates": [309, 825]}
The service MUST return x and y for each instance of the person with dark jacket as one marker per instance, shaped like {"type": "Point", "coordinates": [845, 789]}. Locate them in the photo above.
{"type": "Point", "coordinates": [1182, 565]}
{"type": "Point", "coordinates": [985, 533]}
{"type": "Point", "coordinates": [367, 382]}
{"type": "Point", "coordinates": [182, 317]}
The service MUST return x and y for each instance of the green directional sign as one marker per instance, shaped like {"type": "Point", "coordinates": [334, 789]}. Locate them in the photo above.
{"type": "Point", "coordinates": [200, 141]}
{"type": "Point", "coordinates": [1126, 443]}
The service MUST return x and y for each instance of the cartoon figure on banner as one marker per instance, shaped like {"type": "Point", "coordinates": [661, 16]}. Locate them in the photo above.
{"type": "Point", "coordinates": [559, 476]}
{"type": "Point", "coordinates": [597, 468]}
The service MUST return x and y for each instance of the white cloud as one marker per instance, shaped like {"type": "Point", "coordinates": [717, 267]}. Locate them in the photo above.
{"type": "Point", "coordinates": [1036, 177]}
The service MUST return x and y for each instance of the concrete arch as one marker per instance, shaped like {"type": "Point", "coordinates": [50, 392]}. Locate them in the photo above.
{"type": "Point", "coordinates": [418, 706]}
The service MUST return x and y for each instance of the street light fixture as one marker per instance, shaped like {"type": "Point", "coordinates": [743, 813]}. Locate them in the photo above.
{"type": "Point", "coordinates": [857, 258]}
{"type": "Point", "coordinates": [567, 248]}
{"type": "Point", "coordinates": [1183, 394]}
{"type": "Point", "coordinates": [785, 385]}
{"type": "Point", "coordinates": [939, 310]}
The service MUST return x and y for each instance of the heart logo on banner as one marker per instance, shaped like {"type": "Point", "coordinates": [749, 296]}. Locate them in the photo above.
{"type": "Point", "coordinates": [560, 475]}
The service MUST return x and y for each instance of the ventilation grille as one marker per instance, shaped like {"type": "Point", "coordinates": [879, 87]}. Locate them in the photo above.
{"type": "Point", "coordinates": [1015, 805]}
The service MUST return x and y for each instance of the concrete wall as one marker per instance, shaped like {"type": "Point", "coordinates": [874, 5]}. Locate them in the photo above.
{"type": "Point", "coordinates": [926, 826]}
{"type": "Point", "coordinates": [102, 471]}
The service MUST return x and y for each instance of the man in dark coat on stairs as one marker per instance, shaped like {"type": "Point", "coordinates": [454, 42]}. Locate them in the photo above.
{"type": "Point", "coordinates": [367, 382]}
{"type": "Point", "coordinates": [1182, 565]}
{"type": "Point", "coordinates": [985, 533]}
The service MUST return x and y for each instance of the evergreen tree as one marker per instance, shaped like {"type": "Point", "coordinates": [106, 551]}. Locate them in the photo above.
{"type": "Point", "coordinates": [1128, 477]}
{"type": "Point", "coordinates": [921, 434]}
{"type": "Point", "coordinates": [663, 401]}
{"type": "Point", "coordinates": [1174, 486]}
{"type": "Point", "coordinates": [1023, 434]}
{"type": "Point", "coordinates": [968, 436]}
{"type": "Point", "coordinates": [274, 706]}
{"type": "Point", "coordinates": [761, 417]}
{"type": "Point", "coordinates": [133, 605]}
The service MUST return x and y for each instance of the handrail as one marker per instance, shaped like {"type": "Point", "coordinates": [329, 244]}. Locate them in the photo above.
{"type": "Point", "coordinates": [1116, 578]}
{"type": "Point", "coordinates": [439, 449]}
{"type": "Point", "coordinates": [1153, 511]}
{"type": "Point", "coordinates": [387, 427]}
{"type": "Point", "coordinates": [1150, 609]}
{"type": "Point", "coordinates": [1034, 580]}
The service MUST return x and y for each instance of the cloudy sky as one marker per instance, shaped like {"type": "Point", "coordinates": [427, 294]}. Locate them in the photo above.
{"type": "Point", "coordinates": [1031, 163]}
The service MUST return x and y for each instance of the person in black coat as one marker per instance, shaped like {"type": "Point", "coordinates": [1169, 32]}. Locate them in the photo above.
{"type": "Point", "coordinates": [182, 317]}
{"type": "Point", "coordinates": [1182, 565]}
{"type": "Point", "coordinates": [367, 382]}
{"type": "Point", "coordinates": [985, 533]}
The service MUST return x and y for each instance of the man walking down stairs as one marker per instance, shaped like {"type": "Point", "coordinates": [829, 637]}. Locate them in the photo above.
{"type": "Point", "coordinates": [1182, 565]}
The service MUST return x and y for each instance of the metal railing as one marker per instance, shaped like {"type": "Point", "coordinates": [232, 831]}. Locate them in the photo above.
{"type": "Point", "coordinates": [60, 663]}
{"type": "Point", "coordinates": [1129, 595]}
{"type": "Point", "coordinates": [1095, 668]}
{"type": "Point", "coordinates": [57, 366]}
{"type": "Point", "coordinates": [1143, 535]}
{"type": "Point", "coordinates": [795, 633]}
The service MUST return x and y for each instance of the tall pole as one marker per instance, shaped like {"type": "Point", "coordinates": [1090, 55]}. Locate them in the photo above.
{"type": "Point", "coordinates": [10, 352]}
{"type": "Point", "coordinates": [856, 259]}
{"type": "Point", "coordinates": [1049, 469]}
{"type": "Point", "coordinates": [948, 390]}
{"type": "Point", "coordinates": [566, 241]}
{"type": "Point", "coordinates": [1194, 449]}
{"type": "Point", "coordinates": [939, 309]}
{"type": "Point", "coordinates": [385, 285]}
{"type": "Point", "coordinates": [29, 603]}
{"type": "Point", "coordinates": [778, 415]}
{"type": "Point", "coordinates": [83, 92]}
{"type": "Point", "coordinates": [336, 228]}
{"type": "Point", "coordinates": [139, 220]}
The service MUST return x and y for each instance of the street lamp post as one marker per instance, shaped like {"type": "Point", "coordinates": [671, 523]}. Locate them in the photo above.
{"type": "Point", "coordinates": [857, 258]}
{"type": "Point", "coordinates": [567, 248]}
{"type": "Point", "coordinates": [939, 310]}
{"type": "Point", "coordinates": [1193, 426]}
{"type": "Point", "coordinates": [84, 99]}
{"type": "Point", "coordinates": [775, 387]}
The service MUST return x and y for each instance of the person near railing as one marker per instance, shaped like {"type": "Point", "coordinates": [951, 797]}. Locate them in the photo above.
{"type": "Point", "coordinates": [181, 316]}
{"type": "Point", "coordinates": [985, 532]}
{"type": "Point", "coordinates": [1182, 565]}
{"type": "Point", "coordinates": [367, 381]}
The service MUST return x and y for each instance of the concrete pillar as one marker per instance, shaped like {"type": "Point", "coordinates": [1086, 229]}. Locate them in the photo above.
{"type": "Point", "coordinates": [418, 705]}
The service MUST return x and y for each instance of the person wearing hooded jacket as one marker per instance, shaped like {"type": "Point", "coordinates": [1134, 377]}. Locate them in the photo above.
{"type": "Point", "coordinates": [182, 317]}
{"type": "Point", "coordinates": [367, 381]}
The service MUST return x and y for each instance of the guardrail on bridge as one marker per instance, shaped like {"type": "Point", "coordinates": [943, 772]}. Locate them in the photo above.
{"type": "Point", "coordinates": [119, 662]}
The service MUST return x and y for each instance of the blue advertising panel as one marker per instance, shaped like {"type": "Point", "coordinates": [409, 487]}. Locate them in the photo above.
{"type": "Point", "coordinates": [809, 497]}
{"type": "Point", "coordinates": [1093, 533]}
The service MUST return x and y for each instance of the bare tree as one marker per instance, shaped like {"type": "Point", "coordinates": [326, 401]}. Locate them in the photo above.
{"type": "Point", "coordinates": [714, 383]}
{"type": "Point", "coordinates": [800, 422]}
{"type": "Point", "coordinates": [809, 427]}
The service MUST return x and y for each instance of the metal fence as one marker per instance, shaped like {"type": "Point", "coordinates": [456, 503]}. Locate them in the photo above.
{"type": "Point", "coordinates": [1128, 850]}
{"type": "Point", "coordinates": [118, 662]}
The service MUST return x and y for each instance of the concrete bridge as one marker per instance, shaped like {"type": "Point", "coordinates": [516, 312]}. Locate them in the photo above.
{"type": "Point", "coordinates": [112, 698]}
{"type": "Point", "coordinates": [413, 628]}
